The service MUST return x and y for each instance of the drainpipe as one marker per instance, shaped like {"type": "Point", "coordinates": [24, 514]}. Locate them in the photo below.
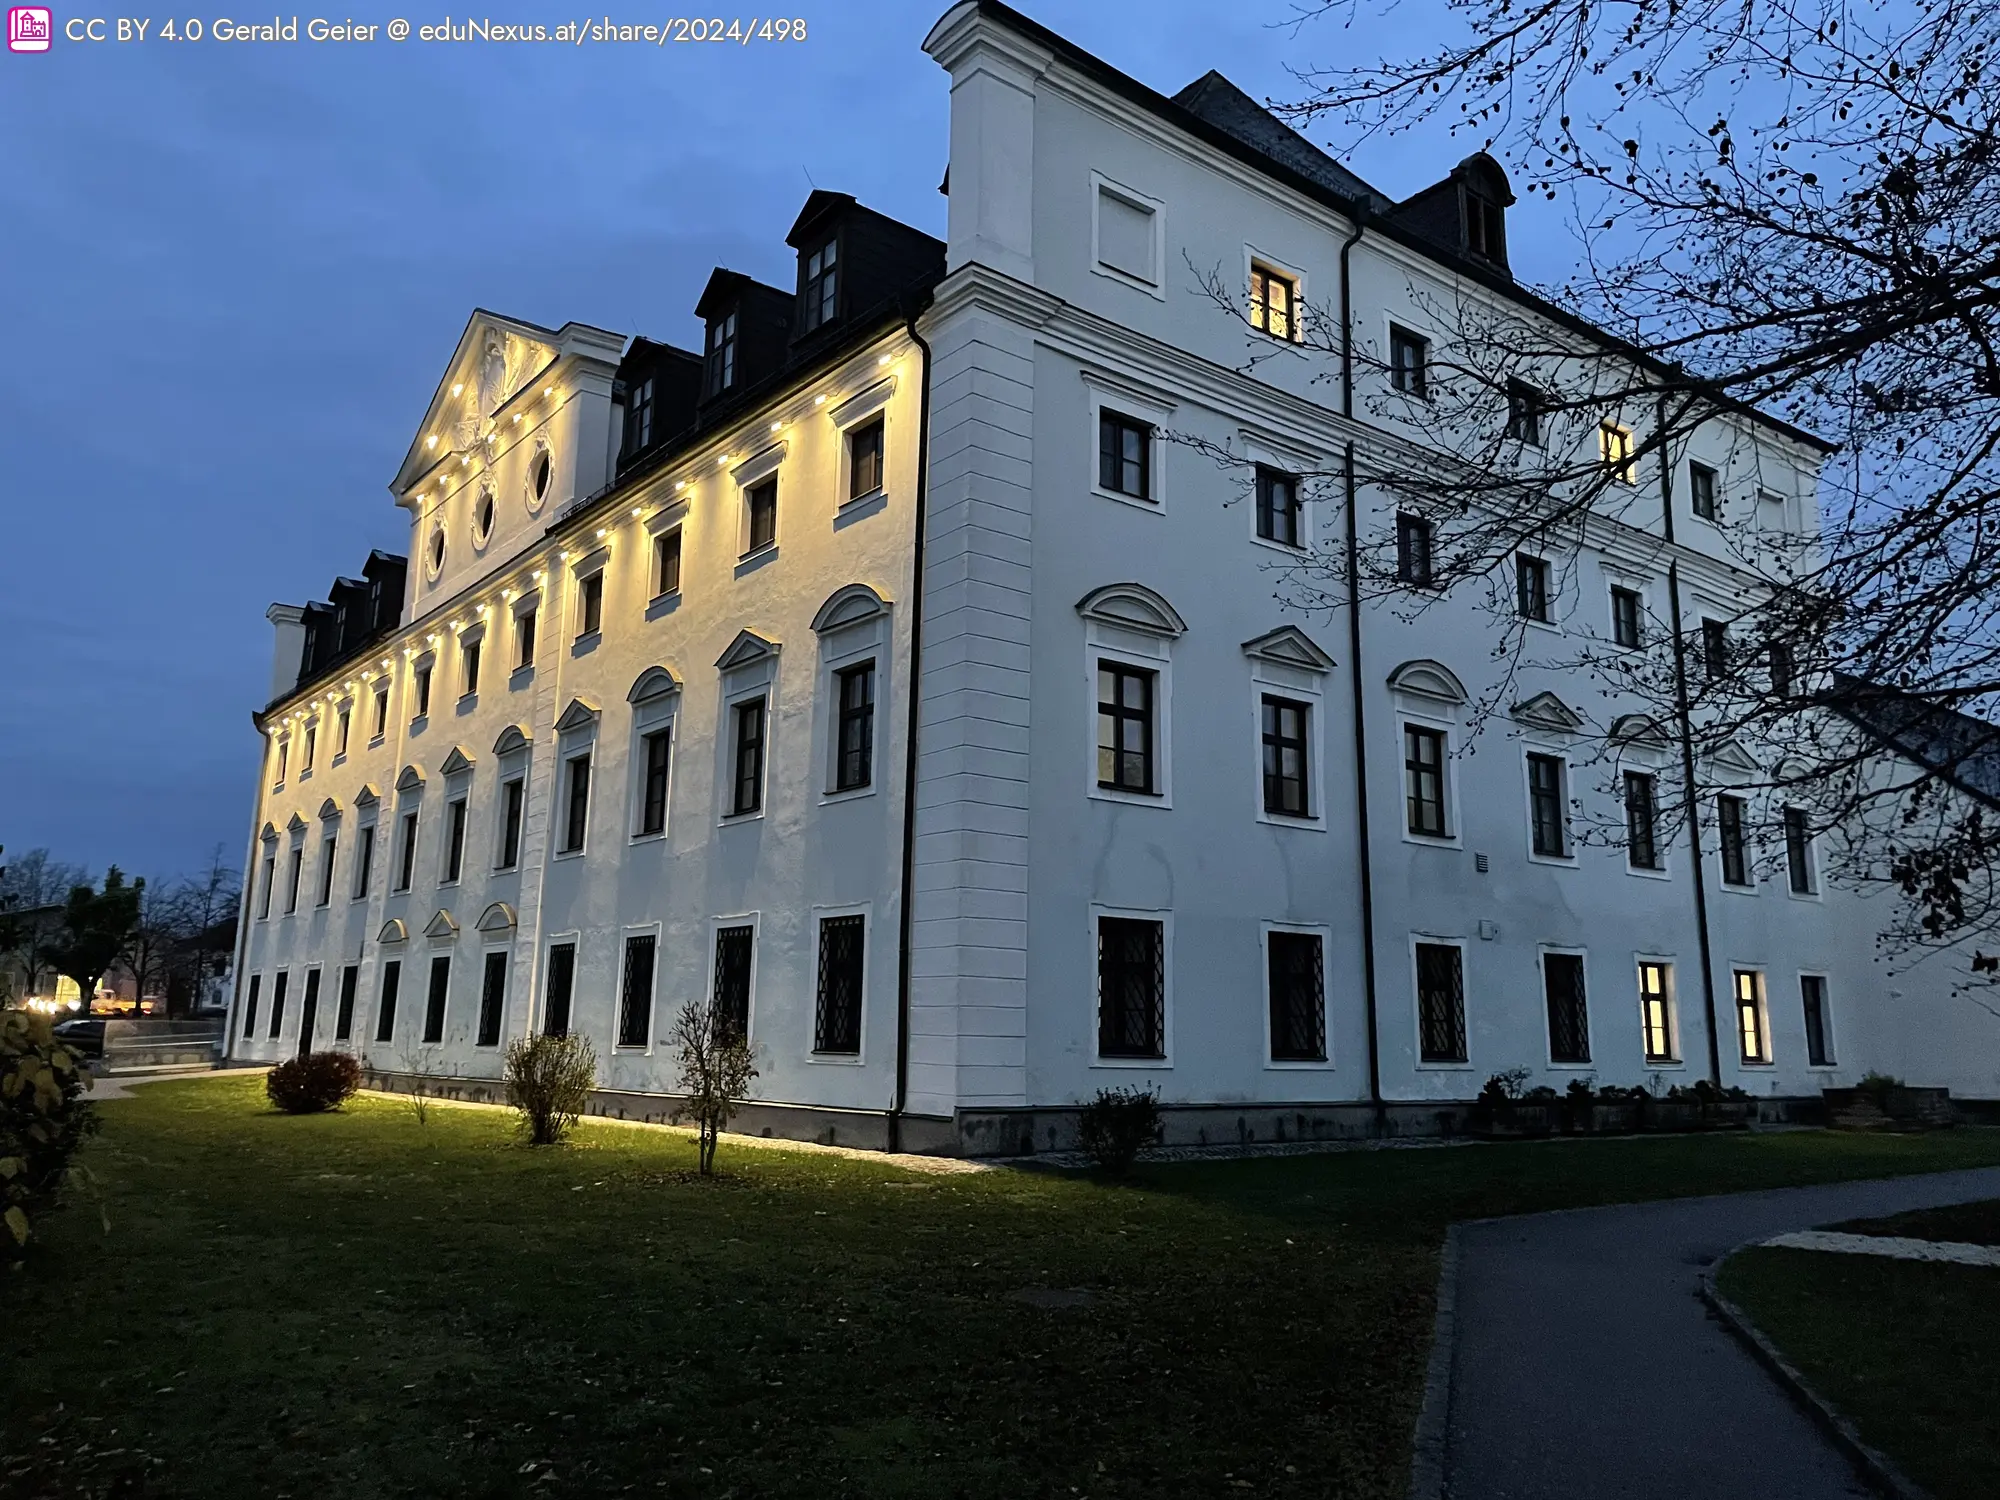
{"type": "Point", "coordinates": [912, 690]}
{"type": "Point", "coordinates": [1355, 678]}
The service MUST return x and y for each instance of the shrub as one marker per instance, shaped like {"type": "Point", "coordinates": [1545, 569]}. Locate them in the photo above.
{"type": "Point", "coordinates": [717, 1068]}
{"type": "Point", "coordinates": [1503, 1088]}
{"type": "Point", "coordinates": [43, 1119]}
{"type": "Point", "coordinates": [549, 1079]}
{"type": "Point", "coordinates": [1879, 1086]}
{"type": "Point", "coordinates": [1116, 1124]}
{"type": "Point", "coordinates": [313, 1083]}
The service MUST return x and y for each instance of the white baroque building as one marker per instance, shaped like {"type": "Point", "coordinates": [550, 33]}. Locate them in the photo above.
{"type": "Point", "coordinates": [892, 673]}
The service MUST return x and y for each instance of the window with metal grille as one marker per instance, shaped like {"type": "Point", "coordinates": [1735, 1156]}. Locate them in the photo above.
{"type": "Point", "coordinates": [1423, 780]}
{"type": "Point", "coordinates": [1642, 849]}
{"type": "Point", "coordinates": [278, 1003]}
{"type": "Point", "coordinates": [556, 996]}
{"type": "Point", "coordinates": [654, 751]}
{"type": "Point", "coordinates": [1548, 811]}
{"type": "Point", "coordinates": [589, 605]}
{"type": "Point", "coordinates": [1285, 757]}
{"type": "Point", "coordinates": [667, 563]}
{"type": "Point", "coordinates": [1729, 835]}
{"type": "Point", "coordinates": [1277, 506]}
{"type": "Point", "coordinates": [454, 848]}
{"type": "Point", "coordinates": [492, 999]}
{"type": "Point", "coordinates": [1409, 358]}
{"type": "Point", "coordinates": [748, 777]}
{"type": "Point", "coordinates": [434, 1006]}
{"type": "Point", "coordinates": [343, 1011]}
{"type": "Point", "coordinates": [1125, 728]}
{"type": "Point", "coordinates": [819, 292]}
{"type": "Point", "coordinates": [1297, 992]}
{"type": "Point", "coordinates": [513, 797]}
{"type": "Point", "coordinates": [1413, 551]}
{"type": "Point", "coordinates": [854, 748]}
{"type": "Point", "coordinates": [249, 1026]}
{"type": "Point", "coordinates": [1124, 455]}
{"type": "Point", "coordinates": [1531, 587]}
{"type": "Point", "coordinates": [1440, 1003]}
{"type": "Point", "coordinates": [837, 1012]}
{"type": "Point", "coordinates": [719, 364]}
{"type": "Point", "coordinates": [1627, 617]}
{"type": "Point", "coordinates": [1525, 406]}
{"type": "Point", "coordinates": [864, 459]}
{"type": "Point", "coordinates": [1714, 649]}
{"type": "Point", "coordinates": [1568, 1007]}
{"type": "Point", "coordinates": [635, 995]}
{"type": "Point", "coordinates": [1656, 1016]}
{"type": "Point", "coordinates": [639, 415]}
{"type": "Point", "coordinates": [762, 501]}
{"type": "Point", "coordinates": [385, 1000]}
{"type": "Point", "coordinates": [1131, 987]}
{"type": "Point", "coordinates": [1750, 1035]}
{"type": "Point", "coordinates": [524, 638]}
{"type": "Point", "coordinates": [1798, 852]}
{"type": "Point", "coordinates": [1819, 1037]}
{"type": "Point", "coordinates": [1274, 303]}
{"type": "Point", "coordinates": [732, 979]}
{"type": "Point", "coordinates": [576, 812]}
{"type": "Point", "coordinates": [1701, 490]}
{"type": "Point", "coordinates": [328, 847]}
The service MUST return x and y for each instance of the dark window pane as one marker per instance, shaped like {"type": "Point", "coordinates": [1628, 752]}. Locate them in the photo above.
{"type": "Point", "coordinates": [1798, 851]}
{"type": "Point", "coordinates": [864, 459]}
{"type": "Point", "coordinates": [1525, 405]}
{"type": "Point", "coordinates": [653, 800]}
{"type": "Point", "coordinates": [1277, 506]}
{"type": "Point", "coordinates": [576, 817]}
{"type": "Point", "coordinates": [385, 1000]}
{"type": "Point", "coordinates": [732, 979]}
{"type": "Point", "coordinates": [309, 1012]}
{"type": "Point", "coordinates": [590, 605]}
{"type": "Point", "coordinates": [1413, 550]}
{"type": "Point", "coordinates": [1297, 987]}
{"type": "Point", "coordinates": [854, 755]}
{"type": "Point", "coordinates": [837, 1014]}
{"type": "Point", "coordinates": [248, 1027]}
{"type": "Point", "coordinates": [492, 999]}
{"type": "Point", "coordinates": [1124, 728]}
{"type": "Point", "coordinates": [1569, 1011]}
{"type": "Point", "coordinates": [1549, 823]}
{"type": "Point", "coordinates": [562, 978]}
{"type": "Point", "coordinates": [524, 636]}
{"type": "Point", "coordinates": [763, 502]}
{"type": "Point", "coordinates": [343, 1015]}
{"type": "Point", "coordinates": [510, 825]}
{"type": "Point", "coordinates": [1440, 1003]}
{"type": "Point", "coordinates": [1701, 490]}
{"type": "Point", "coordinates": [454, 859]}
{"type": "Point", "coordinates": [364, 859]}
{"type": "Point", "coordinates": [635, 997]}
{"type": "Point", "coordinates": [1641, 848]}
{"type": "Point", "coordinates": [748, 794]}
{"type": "Point", "coordinates": [278, 1002]}
{"type": "Point", "coordinates": [1423, 773]}
{"type": "Point", "coordinates": [1124, 455]}
{"type": "Point", "coordinates": [1284, 724]}
{"type": "Point", "coordinates": [1408, 358]}
{"type": "Point", "coordinates": [1819, 1044]}
{"type": "Point", "coordinates": [1531, 588]}
{"type": "Point", "coordinates": [667, 563]}
{"type": "Point", "coordinates": [1729, 834]}
{"type": "Point", "coordinates": [434, 1008]}
{"type": "Point", "coordinates": [1626, 617]}
{"type": "Point", "coordinates": [1131, 988]}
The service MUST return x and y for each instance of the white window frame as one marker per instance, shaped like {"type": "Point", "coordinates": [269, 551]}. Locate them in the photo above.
{"type": "Point", "coordinates": [1817, 895]}
{"type": "Point", "coordinates": [1256, 259]}
{"type": "Point", "coordinates": [1157, 207]}
{"type": "Point", "coordinates": [1531, 745]}
{"type": "Point", "coordinates": [538, 996]}
{"type": "Point", "coordinates": [866, 911]}
{"type": "Point", "coordinates": [1553, 625]}
{"type": "Point", "coordinates": [1165, 917]}
{"type": "Point", "coordinates": [1147, 653]}
{"type": "Point", "coordinates": [1394, 323]}
{"type": "Point", "coordinates": [1454, 823]}
{"type": "Point", "coordinates": [1770, 1057]}
{"type": "Point", "coordinates": [490, 946]}
{"type": "Point", "coordinates": [1646, 763]}
{"type": "Point", "coordinates": [1324, 933]}
{"type": "Point", "coordinates": [1667, 962]}
{"type": "Point", "coordinates": [613, 1048]}
{"type": "Point", "coordinates": [857, 411]}
{"type": "Point", "coordinates": [754, 680]}
{"type": "Point", "coordinates": [1439, 940]}
{"type": "Point", "coordinates": [754, 920]}
{"type": "Point", "coordinates": [656, 715]}
{"type": "Point", "coordinates": [597, 565]}
{"type": "Point", "coordinates": [1542, 952]}
{"type": "Point", "coordinates": [1268, 678]}
{"type": "Point", "coordinates": [839, 650]}
{"type": "Point", "coordinates": [1825, 1020]}
{"type": "Point", "coordinates": [1259, 451]}
{"type": "Point", "coordinates": [1755, 887]}
{"type": "Point", "coordinates": [518, 671]}
{"type": "Point", "coordinates": [1127, 400]}
{"type": "Point", "coordinates": [765, 464]}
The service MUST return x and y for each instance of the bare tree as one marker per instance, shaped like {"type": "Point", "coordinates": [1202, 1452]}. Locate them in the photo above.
{"type": "Point", "coordinates": [717, 1067]}
{"type": "Point", "coordinates": [32, 890]}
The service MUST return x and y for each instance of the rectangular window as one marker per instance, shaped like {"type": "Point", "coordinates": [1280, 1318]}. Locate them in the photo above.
{"type": "Point", "coordinates": [1440, 1003]}
{"type": "Point", "coordinates": [1642, 850]}
{"type": "Point", "coordinates": [284, 759]}
{"type": "Point", "coordinates": [270, 884]}
{"type": "Point", "coordinates": [312, 744]}
{"type": "Point", "coordinates": [667, 563]}
{"type": "Point", "coordinates": [385, 1000]}
{"type": "Point", "coordinates": [1701, 490]}
{"type": "Point", "coordinates": [278, 1002]}
{"type": "Point", "coordinates": [864, 459]}
{"type": "Point", "coordinates": [381, 712]}
{"type": "Point", "coordinates": [854, 750]}
{"type": "Point", "coordinates": [1423, 780]}
{"type": "Point", "coordinates": [1548, 810]}
{"type": "Point", "coordinates": [819, 293]}
{"type": "Point", "coordinates": [1126, 235]}
{"type": "Point", "coordinates": [1413, 551]}
{"type": "Point", "coordinates": [747, 778]}
{"type": "Point", "coordinates": [719, 363]}
{"type": "Point", "coordinates": [250, 1007]}
{"type": "Point", "coordinates": [1284, 727]}
{"type": "Point", "coordinates": [364, 860]}
{"type": "Point", "coordinates": [343, 1013]}
{"type": "Point", "coordinates": [309, 1012]}
{"type": "Point", "coordinates": [1614, 450]}
{"type": "Point", "coordinates": [562, 980]}
{"type": "Point", "coordinates": [341, 727]}
{"type": "Point", "coordinates": [328, 847]}
{"type": "Point", "coordinates": [1714, 650]}
{"type": "Point", "coordinates": [1798, 852]}
{"type": "Point", "coordinates": [639, 415]}
{"type": "Point", "coordinates": [635, 994]}
{"type": "Point", "coordinates": [1409, 361]}
{"type": "Point", "coordinates": [654, 751]}
{"type": "Point", "coordinates": [1274, 304]}
{"type": "Point", "coordinates": [1124, 455]}
{"type": "Point", "coordinates": [1819, 1037]}
{"type": "Point", "coordinates": [1568, 1007]}
{"type": "Point", "coordinates": [1729, 837]}
{"type": "Point", "coordinates": [1531, 587]}
{"type": "Point", "coordinates": [763, 503]}
{"type": "Point", "coordinates": [454, 846]}
{"type": "Point", "coordinates": [1278, 506]}
{"type": "Point", "coordinates": [1485, 226]}
{"type": "Point", "coordinates": [589, 605]}
{"type": "Point", "coordinates": [733, 947]}
{"type": "Point", "coordinates": [406, 871]}
{"type": "Point", "coordinates": [576, 808]}
{"type": "Point", "coordinates": [1296, 981]}
{"type": "Point", "coordinates": [1754, 1044]}
{"type": "Point", "coordinates": [524, 639]}
{"type": "Point", "coordinates": [1131, 987]}
{"type": "Point", "coordinates": [492, 998]}
{"type": "Point", "coordinates": [423, 691]}
{"type": "Point", "coordinates": [1782, 670]}
{"type": "Point", "coordinates": [1656, 1014]}
{"type": "Point", "coordinates": [1627, 618]}
{"type": "Point", "coordinates": [434, 1007]}
{"type": "Point", "coordinates": [292, 879]}
{"type": "Point", "coordinates": [1525, 406]}
{"type": "Point", "coordinates": [837, 1010]}
{"type": "Point", "coordinates": [1125, 728]}
{"type": "Point", "coordinates": [470, 666]}
{"type": "Point", "coordinates": [513, 797]}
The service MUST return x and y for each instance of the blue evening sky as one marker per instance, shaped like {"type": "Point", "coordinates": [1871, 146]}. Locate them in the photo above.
{"type": "Point", "coordinates": [233, 273]}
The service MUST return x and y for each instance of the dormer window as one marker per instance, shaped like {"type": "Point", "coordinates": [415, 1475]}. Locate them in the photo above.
{"type": "Point", "coordinates": [819, 293]}
{"type": "Point", "coordinates": [1485, 226]}
{"type": "Point", "coordinates": [639, 415]}
{"type": "Point", "coordinates": [720, 368]}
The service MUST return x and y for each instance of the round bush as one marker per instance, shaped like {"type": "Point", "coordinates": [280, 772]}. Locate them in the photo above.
{"type": "Point", "coordinates": [43, 1119]}
{"type": "Point", "coordinates": [313, 1083]}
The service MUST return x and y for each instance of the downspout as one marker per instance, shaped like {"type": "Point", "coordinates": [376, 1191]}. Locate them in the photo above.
{"type": "Point", "coordinates": [1685, 730]}
{"type": "Point", "coordinates": [913, 692]}
{"type": "Point", "coordinates": [1356, 682]}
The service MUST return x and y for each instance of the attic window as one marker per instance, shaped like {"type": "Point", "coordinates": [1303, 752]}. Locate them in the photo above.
{"type": "Point", "coordinates": [1485, 226]}
{"type": "Point", "coordinates": [720, 373]}
{"type": "Point", "coordinates": [639, 415]}
{"type": "Point", "coordinates": [820, 292]}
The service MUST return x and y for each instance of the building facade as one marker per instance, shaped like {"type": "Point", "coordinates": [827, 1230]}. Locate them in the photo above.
{"type": "Point", "coordinates": [905, 672]}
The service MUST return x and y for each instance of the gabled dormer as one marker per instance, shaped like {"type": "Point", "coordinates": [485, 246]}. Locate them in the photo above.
{"type": "Point", "coordinates": [852, 260]}
{"type": "Point", "coordinates": [656, 392]}
{"type": "Point", "coordinates": [748, 326]}
{"type": "Point", "coordinates": [1466, 213]}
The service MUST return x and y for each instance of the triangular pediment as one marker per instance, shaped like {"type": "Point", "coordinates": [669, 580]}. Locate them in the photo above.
{"type": "Point", "coordinates": [367, 796]}
{"type": "Point", "coordinates": [499, 917]}
{"type": "Point", "coordinates": [456, 763]}
{"type": "Point", "coordinates": [296, 825]}
{"type": "Point", "coordinates": [496, 357]}
{"type": "Point", "coordinates": [270, 832]}
{"type": "Point", "coordinates": [1132, 606]}
{"type": "Point", "coordinates": [1548, 712]}
{"type": "Point", "coordinates": [1731, 756]}
{"type": "Point", "coordinates": [1289, 646]}
{"type": "Point", "coordinates": [512, 741]}
{"type": "Point", "coordinates": [748, 647]}
{"type": "Point", "coordinates": [393, 931]}
{"type": "Point", "coordinates": [579, 715]}
{"type": "Point", "coordinates": [412, 779]}
{"type": "Point", "coordinates": [441, 925]}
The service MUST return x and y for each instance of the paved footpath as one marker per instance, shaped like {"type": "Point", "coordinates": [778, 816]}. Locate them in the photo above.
{"type": "Point", "coordinates": [1586, 1367]}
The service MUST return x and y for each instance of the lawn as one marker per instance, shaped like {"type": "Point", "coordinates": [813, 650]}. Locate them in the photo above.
{"type": "Point", "coordinates": [362, 1305]}
{"type": "Point", "coordinates": [1909, 1352]}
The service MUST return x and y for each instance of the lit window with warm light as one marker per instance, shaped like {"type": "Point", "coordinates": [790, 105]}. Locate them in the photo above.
{"type": "Point", "coordinates": [1274, 303]}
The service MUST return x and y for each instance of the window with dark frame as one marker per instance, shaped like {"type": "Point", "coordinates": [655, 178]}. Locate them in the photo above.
{"type": "Point", "coordinates": [1730, 840]}
{"type": "Point", "coordinates": [423, 687]}
{"type": "Point", "coordinates": [1278, 506]}
{"type": "Point", "coordinates": [1531, 587]}
{"type": "Point", "coordinates": [1274, 303]}
{"type": "Point", "coordinates": [1798, 852]}
{"type": "Point", "coordinates": [1284, 735]}
{"type": "Point", "coordinates": [1124, 455]}
{"type": "Point", "coordinates": [1485, 226]}
{"type": "Point", "coordinates": [1131, 987]}
{"type": "Point", "coordinates": [864, 459]}
{"type": "Point", "coordinates": [1819, 1037]}
{"type": "Point", "coordinates": [734, 947]}
{"type": "Point", "coordinates": [435, 1002]}
{"type": "Point", "coordinates": [655, 751]}
{"type": "Point", "coordinates": [719, 371]}
{"type": "Point", "coordinates": [1782, 670]}
{"type": "Point", "coordinates": [469, 666]}
{"type": "Point", "coordinates": [1701, 491]}
{"type": "Point", "coordinates": [343, 1011]}
{"type": "Point", "coordinates": [278, 986]}
{"type": "Point", "coordinates": [819, 294]}
{"type": "Point", "coordinates": [249, 1020]}
{"type": "Point", "coordinates": [327, 849]}
{"type": "Point", "coordinates": [406, 870]}
{"type": "Point", "coordinates": [667, 563]}
{"type": "Point", "coordinates": [364, 859]}
{"type": "Point", "coordinates": [1413, 551]}
{"type": "Point", "coordinates": [1568, 1008]}
{"type": "Point", "coordinates": [837, 1005]}
{"type": "Point", "coordinates": [635, 994]}
{"type": "Point", "coordinates": [454, 856]}
{"type": "Point", "coordinates": [1295, 978]}
{"type": "Point", "coordinates": [1440, 1003]}
{"type": "Point", "coordinates": [492, 998]}
{"type": "Point", "coordinates": [1525, 407]}
{"type": "Point", "coordinates": [1714, 649]}
{"type": "Point", "coordinates": [589, 605]}
{"type": "Point", "coordinates": [1753, 1044]}
{"type": "Point", "coordinates": [1548, 812]}
{"type": "Point", "coordinates": [1409, 360]}
{"type": "Point", "coordinates": [1614, 450]}
{"type": "Point", "coordinates": [576, 806]}
{"type": "Point", "coordinates": [1125, 728]}
{"type": "Point", "coordinates": [639, 415]}
{"type": "Point", "coordinates": [762, 501]}
{"type": "Point", "coordinates": [1628, 614]}
{"type": "Point", "coordinates": [524, 638]}
{"type": "Point", "coordinates": [747, 776]}
{"type": "Point", "coordinates": [514, 795]}
{"type": "Point", "coordinates": [854, 730]}
{"type": "Point", "coordinates": [556, 995]}
{"type": "Point", "coordinates": [1642, 850]}
{"type": "Point", "coordinates": [1656, 1018]}
{"type": "Point", "coordinates": [1423, 780]}
{"type": "Point", "coordinates": [385, 1000]}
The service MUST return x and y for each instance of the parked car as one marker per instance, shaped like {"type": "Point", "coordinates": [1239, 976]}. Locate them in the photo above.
{"type": "Point", "coordinates": [84, 1033]}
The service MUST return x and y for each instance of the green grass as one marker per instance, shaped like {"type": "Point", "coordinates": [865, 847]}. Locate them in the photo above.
{"type": "Point", "coordinates": [1961, 1223]}
{"type": "Point", "coordinates": [1908, 1351]}
{"type": "Point", "coordinates": [360, 1305]}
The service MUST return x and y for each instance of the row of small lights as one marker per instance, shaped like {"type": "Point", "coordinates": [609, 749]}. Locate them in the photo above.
{"type": "Point", "coordinates": [465, 459]}
{"type": "Point", "coordinates": [508, 595]}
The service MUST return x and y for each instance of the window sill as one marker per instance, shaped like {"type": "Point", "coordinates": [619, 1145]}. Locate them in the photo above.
{"type": "Point", "coordinates": [751, 561]}
{"type": "Point", "coordinates": [1549, 625]}
{"type": "Point", "coordinates": [730, 820]}
{"type": "Point", "coordinates": [860, 508]}
{"type": "Point", "coordinates": [662, 605]}
{"type": "Point", "coordinates": [375, 742]}
{"type": "Point", "coordinates": [1130, 799]}
{"type": "Point", "coordinates": [1812, 896]}
{"type": "Point", "coordinates": [848, 794]}
{"type": "Point", "coordinates": [1298, 1065]}
{"type": "Point", "coordinates": [1730, 887]}
{"type": "Point", "coordinates": [1666, 1064]}
{"type": "Point", "coordinates": [305, 776]}
{"type": "Point", "coordinates": [1271, 819]}
{"type": "Point", "coordinates": [520, 678]}
{"type": "Point", "coordinates": [1646, 874]}
{"type": "Point", "coordinates": [1272, 544]}
{"type": "Point", "coordinates": [1130, 1062]}
{"type": "Point", "coordinates": [1433, 840]}
{"type": "Point", "coordinates": [583, 645]}
{"type": "Point", "coordinates": [835, 1059]}
{"type": "Point", "coordinates": [1555, 861]}
{"type": "Point", "coordinates": [467, 702]}
{"type": "Point", "coordinates": [420, 723]}
{"type": "Point", "coordinates": [513, 869]}
{"type": "Point", "coordinates": [569, 854]}
{"type": "Point", "coordinates": [1149, 504]}
{"type": "Point", "coordinates": [1443, 1067]}
{"type": "Point", "coordinates": [338, 760]}
{"type": "Point", "coordinates": [659, 837]}
{"type": "Point", "coordinates": [1126, 278]}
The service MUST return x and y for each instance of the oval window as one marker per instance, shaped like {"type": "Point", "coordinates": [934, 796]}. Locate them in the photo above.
{"type": "Point", "coordinates": [539, 475]}
{"type": "Point", "coordinates": [482, 521]}
{"type": "Point", "coordinates": [437, 550]}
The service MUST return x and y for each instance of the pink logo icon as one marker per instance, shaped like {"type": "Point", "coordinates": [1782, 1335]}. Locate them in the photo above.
{"type": "Point", "coordinates": [29, 28]}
